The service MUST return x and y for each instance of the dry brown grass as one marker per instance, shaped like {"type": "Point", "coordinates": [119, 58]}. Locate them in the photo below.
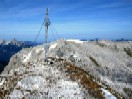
{"type": "Point", "coordinates": [128, 91]}
{"type": "Point", "coordinates": [86, 81]}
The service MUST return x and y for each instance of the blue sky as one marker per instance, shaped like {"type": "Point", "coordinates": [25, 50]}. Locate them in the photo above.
{"type": "Point", "coordinates": [81, 19]}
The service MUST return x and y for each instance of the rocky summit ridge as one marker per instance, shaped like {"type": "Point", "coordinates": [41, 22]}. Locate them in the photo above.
{"type": "Point", "coordinates": [74, 69]}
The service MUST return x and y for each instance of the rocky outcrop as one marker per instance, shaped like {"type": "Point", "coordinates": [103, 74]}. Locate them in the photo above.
{"type": "Point", "coordinates": [9, 48]}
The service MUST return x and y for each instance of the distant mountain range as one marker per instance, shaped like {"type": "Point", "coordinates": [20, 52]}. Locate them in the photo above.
{"type": "Point", "coordinates": [9, 48]}
{"type": "Point", "coordinates": [97, 39]}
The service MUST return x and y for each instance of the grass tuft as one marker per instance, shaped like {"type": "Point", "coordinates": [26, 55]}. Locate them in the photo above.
{"type": "Point", "coordinates": [94, 61]}
{"type": "Point", "coordinates": [128, 51]}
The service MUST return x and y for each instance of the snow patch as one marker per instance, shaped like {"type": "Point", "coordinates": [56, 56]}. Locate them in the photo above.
{"type": "Point", "coordinates": [2, 82]}
{"type": "Point", "coordinates": [75, 55]}
{"type": "Point", "coordinates": [67, 89]}
{"type": "Point", "coordinates": [39, 49]}
{"type": "Point", "coordinates": [26, 57]}
{"type": "Point", "coordinates": [74, 40]}
{"type": "Point", "coordinates": [35, 87]}
{"type": "Point", "coordinates": [53, 46]}
{"type": "Point", "coordinates": [107, 94]}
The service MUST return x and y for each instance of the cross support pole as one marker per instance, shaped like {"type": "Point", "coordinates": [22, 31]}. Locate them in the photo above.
{"type": "Point", "coordinates": [47, 24]}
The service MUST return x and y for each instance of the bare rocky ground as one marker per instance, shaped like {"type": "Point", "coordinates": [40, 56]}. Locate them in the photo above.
{"type": "Point", "coordinates": [75, 69]}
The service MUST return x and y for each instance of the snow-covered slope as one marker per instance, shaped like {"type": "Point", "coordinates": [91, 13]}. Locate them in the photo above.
{"type": "Point", "coordinates": [88, 70]}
